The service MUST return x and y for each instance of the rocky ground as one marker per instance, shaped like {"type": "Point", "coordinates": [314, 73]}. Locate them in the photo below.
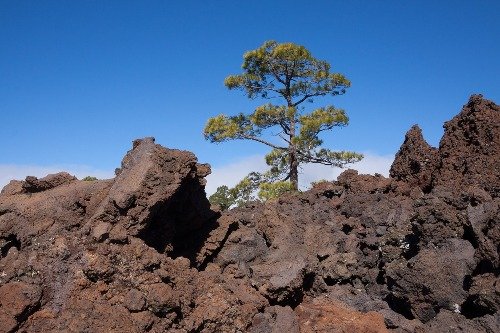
{"type": "Point", "coordinates": [144, 252]}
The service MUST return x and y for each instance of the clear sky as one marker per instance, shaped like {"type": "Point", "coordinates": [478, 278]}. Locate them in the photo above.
{"type": "Point", "coordinates": [79, 80]}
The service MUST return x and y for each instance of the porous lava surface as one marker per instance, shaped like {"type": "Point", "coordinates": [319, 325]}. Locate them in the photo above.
{"type": "Point", "coordinates": [145, 252]}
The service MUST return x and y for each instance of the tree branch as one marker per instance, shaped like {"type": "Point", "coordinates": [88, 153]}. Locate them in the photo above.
{"type": "Point", "coordinates": [285, 127]}
{"type": "Point", "coordinates": [306, 97]}
{"type": "Point", "coordinates": [312, 159]}
{"type": "Point", "coordinates": [277, 76]}
{"type": "Point", "coordinates": [285, 139]}
{"type": "Point", "coordinates": [249, 137]}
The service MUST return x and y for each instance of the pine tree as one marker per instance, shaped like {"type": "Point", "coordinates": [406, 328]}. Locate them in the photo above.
{"type": "Point", "coordinates": [286, 72]}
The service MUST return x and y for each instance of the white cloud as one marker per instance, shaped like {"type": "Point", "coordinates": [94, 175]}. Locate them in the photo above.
{"type": "Point", "coordinates": [9, 172]}
{"type": "Point", "coordinates": [232, 173]}
{"type": "Point", "coordinates": [228, 175]}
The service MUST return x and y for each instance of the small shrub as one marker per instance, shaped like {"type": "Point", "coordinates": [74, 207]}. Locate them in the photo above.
{"type": "Point", "coordinates": [269, 191]}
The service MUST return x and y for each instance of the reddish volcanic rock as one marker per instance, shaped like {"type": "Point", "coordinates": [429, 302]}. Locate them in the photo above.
{"type": "Point", "coordinates": [143, 252]}
{"type": "Point", "coordinates": [470, 148]}
{"type": "Point", "coordinates": [33, 184]}
{"type": "Point", "coordinates": [93, 248]}
{"type": "Point", "coordinates": [323, 316]}
{"type": "Point", "coordinates": [18, 301]}
{"type": "Point", "coordinates": [415, 161]}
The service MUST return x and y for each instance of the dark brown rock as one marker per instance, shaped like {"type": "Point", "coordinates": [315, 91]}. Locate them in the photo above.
{"type": "Point", "coordinates": [83, 246]}
{"type": "Point", "coordinates": [13, 187]}
{"type": "Point", "coordinates": [484, 295]}
{"type": "Point", "coordinates": [448, 321]}
{"type": "Point", "coordinates": [33, 184]}
{"type": "Point", "coordinates": [143, 252]}
{"type": "Point", "coordinates": [415, 161]}
{"type": "Point", "coordinates": [101, 231]}
{"type": "Point", "coordinates": [18, 301]}
{"type": "Point", "coordinates": [429, 281]}
{"type": "Point", "coordinates": [275, 319]}
{"type": "Point", "coordinates": [470, 148]}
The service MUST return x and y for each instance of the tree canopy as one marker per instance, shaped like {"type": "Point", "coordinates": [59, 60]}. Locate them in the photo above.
{"type": "Point", "coordinates": [285, 72]}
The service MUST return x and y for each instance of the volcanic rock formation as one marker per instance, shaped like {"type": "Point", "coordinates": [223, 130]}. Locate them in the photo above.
{"type": "Point", "coordinates": [144, 252]}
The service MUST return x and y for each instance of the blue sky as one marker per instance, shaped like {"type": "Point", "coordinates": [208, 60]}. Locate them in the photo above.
{"type": "Point", "coordinates": [79, 80]}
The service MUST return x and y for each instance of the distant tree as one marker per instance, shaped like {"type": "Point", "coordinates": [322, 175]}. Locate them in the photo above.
{"type": "Point", "coordinates": [89, 178]}
{"type": "Point", "coordinates": [286, 72]}
{"type": "Point", "coordinates": [238, 195]}
{"type": "Point", "coordinates": [273, 190]}
{"type": "Point", "coordinates": [223, 197]}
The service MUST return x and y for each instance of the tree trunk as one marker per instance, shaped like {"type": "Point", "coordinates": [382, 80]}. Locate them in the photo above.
{"type": "Point", "coordinates": [292, 149]}
{"type": "Point", "coordinates": [294, 169]}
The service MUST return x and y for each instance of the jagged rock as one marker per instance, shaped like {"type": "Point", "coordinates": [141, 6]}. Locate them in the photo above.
{"type": "Point", "coordinates": [484, 295]}
{"type": "Point", "coordinates": [430, 281]}
{"type": "Point", "coordinates": [101, 231]}
{"type": "Point", "coordinates": [18, 301]}
{"type": "Point", "coordinates": [275, 319]}
{"type": "Point", "coordinates": [338, 267]}
{"type": "Point", "coordinates": [33, 184]}
{"type": "Point", "coordinates": [157, 195]}
{"type": "Point", "coordinates": [415, 161]}
{"type": "Point", "coordinates": [417, 252]}
{"type": "Point", "coordinates": [13, 187]}
{"type": "Point", "coordinates": [134, 301]}
{"type": "Point", "coordinates": [470, 148]}
{"type": "Point", "coordinates": [91, 248]}
{"type": "Point", "coordinates": [453, 322]}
